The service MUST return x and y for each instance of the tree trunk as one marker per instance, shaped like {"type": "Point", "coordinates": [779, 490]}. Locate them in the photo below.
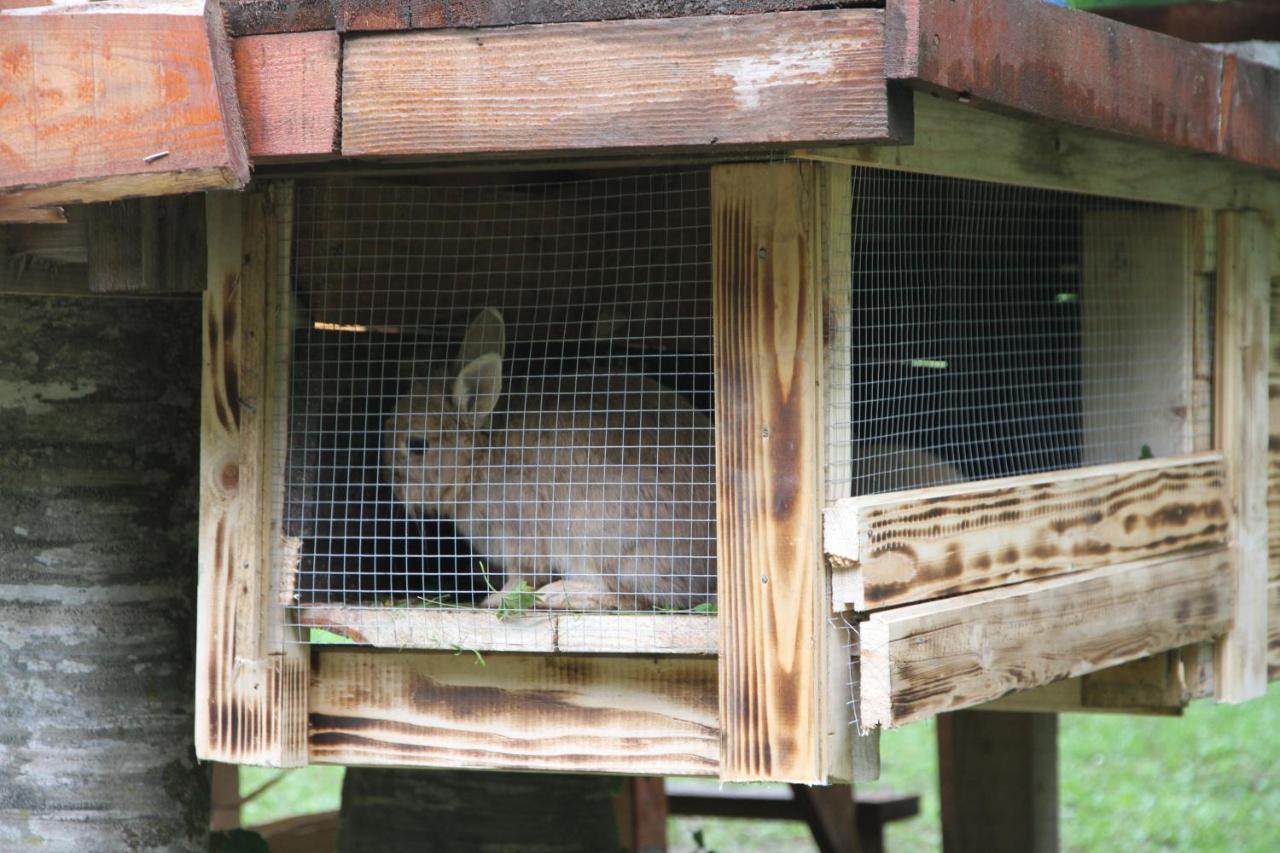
{"type": "Point", "coordinates": [99, 426]}
{"type": "Point", "coordinates": [464, 811]}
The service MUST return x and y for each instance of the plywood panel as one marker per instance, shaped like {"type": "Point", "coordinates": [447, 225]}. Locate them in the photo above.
{"type": "Point", "coordinates": [521, 712]}
{"type": "Point", "coordinates": [766, 80]}
{"type": "Point", "coordinates": [924, 659]}
{"type": "Point", "coordinates": [104, 101]}
{"type": "Point", "coordinates": [888, 550]}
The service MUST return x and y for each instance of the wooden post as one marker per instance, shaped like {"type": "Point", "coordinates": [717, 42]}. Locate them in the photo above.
{"type": "Point", "coordinates": [998, 782]}
{"type": "Point", "coordinates": [641, 808]}
{"type": "Point", "coordinates": [251, 684]}
{"type": "Point", "coordinates": [1244, 254]}
{"type": "Point", "coordinates": [774, 665]}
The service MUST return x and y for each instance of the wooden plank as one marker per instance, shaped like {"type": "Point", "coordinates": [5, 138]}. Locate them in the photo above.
{"type": "Point", "coordinates": [1273, 632]}
{"type": "Point", "coordinates": [963, 141]}
{"type": "Point", "coordinates": [256, 17]}
{"type": "Point", "coordinates": [1244, 253]}
{"type": "Point", "coordinates": [251, 684]}
{"type": "Point", "coordinates": [357, 15]}
{"type": "Point", "coordinates": [998, 782]}
{"type": "Point", "coordinates": [650, 716]}
{"type": "Point", "coordinates": [924, 659]}
{"type": "Point", "coordinates": [766, 309]}
{"type": "Point", "coordinates": [148, 244]}
{"type": "Point", "coordinates": [893, 549]}
{"type": "Point", "coordinates": [288, 89]}
{"type": "Point", "coordinates": [106, 101]}
{"type": "Point", "coordinates": [759, 80]}
{"type": "Point", "coordinates": [1152, 686]}
{"type": "Point", "coordinates": [45, 258]}
{"type": "Point", "coordinates": [1239, 20]}
{"type": "Point", "coordinates": [485, 631]}
{"type": "Point", "coordinates": [1250, 122]}
{"type": "Point", "coordinates": [1058, 64]}
{"type": "Point", "coordinates": [1273, 437]}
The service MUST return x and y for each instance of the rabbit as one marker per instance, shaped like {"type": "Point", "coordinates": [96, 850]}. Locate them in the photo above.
{"type": "Point", "coordinates": [596, 488]}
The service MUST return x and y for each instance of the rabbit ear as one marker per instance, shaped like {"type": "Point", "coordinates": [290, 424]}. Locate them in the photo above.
{"type": "Point", "coordinates": [478, 384]}
{"type": "Point", "coordinates": [486, 334]}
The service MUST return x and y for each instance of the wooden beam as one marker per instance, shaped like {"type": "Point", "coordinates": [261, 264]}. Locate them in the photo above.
{"type": "Point", "coordinates": [1152, 686]}
{"type": "Point", "coordinates": [1244, 253]}
{"type": "Point", "coordinates": [1083, 70]}
{"type": "Point", "coordinates": [903, 547]}
{"type": "Point", "coordinates": [251, 682]}
{"type": "Point", "coordinates": [628, 715]}
{"type": "Point", "coordinates": [924, 659]}
{"type": "Point", "coordinates": [485, 631]}
{"type": "Point", "coordinates": [154, 245]}
{"type": "Point", "coordinates": [962, 141]}
{"type": "Point", "coordinates": [106, 101]}
{"type": "Point", "coordinates": [641, 810]}
{"type": "Point", "coordinates": [1208, 21]}
{"type": "Point", "coordinates": [255, 17]}
{"type": "Point", "coordinates": [998, 782]}
{"type": "Point", "coordinates": [767, 301]}
{"type": "Point", "coordinates": [288, 88]}
{"type": "Point", "coordinates": [756, 80]}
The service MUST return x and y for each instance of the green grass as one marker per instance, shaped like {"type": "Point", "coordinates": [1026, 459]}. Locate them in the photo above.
{"type": "Point", "coordinates": [1209, 780]}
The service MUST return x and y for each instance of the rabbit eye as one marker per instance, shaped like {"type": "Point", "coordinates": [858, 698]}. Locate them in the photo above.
{"type": "Point", "coordinates": [418, 445]}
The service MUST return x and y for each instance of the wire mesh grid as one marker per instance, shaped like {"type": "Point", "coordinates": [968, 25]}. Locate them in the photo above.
{"type": "Point", "coordinates": [500, 404]}
{"type": "Point", "coordinates": [994, 330]}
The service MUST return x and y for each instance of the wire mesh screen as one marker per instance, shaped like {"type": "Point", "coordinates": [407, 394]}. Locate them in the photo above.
{"type": "Point", "coordinates": [994, 330]}
{"type": "Point", "coordinates": [501, 400]}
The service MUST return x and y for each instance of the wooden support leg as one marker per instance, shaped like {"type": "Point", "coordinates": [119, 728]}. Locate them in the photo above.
{"type": "Point", "coordinates": [641, 807]}
{"type": "Point", "coordinates": [830, 813]}
{"type": "Point", "coordinates": [998, 780]}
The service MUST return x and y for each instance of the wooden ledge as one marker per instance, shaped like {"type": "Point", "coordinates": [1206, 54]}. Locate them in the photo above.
{"type": "Point", "coordinates": [485, 631]}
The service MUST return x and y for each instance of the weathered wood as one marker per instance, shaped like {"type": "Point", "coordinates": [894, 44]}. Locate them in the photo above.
{"type": "Point", "coordinates": [356, 15]}
{"type": "Point", "coordinates": [1245, 254]}
{"type": "Point", "coordinates": [1239, 20]}
{"type": "Point", "coordinates": [106, 101]}
{"type": "Point", "coordinates": [288, 89]}
{"type": "Point", "coordinates": [255, 17]}
{"type": "Point", "coordinates": [938, 656]}
{"type": "Point", "coordinates": [767, 303]}
{"type": "Point", "coordinates": [1273, 437]}
{"type": "Point", "coordinates": [641, 811]}
{"type": "Point", "coordinates": [897, 548]}
{"type": "Point", "coordinates": [251, 683]}
{"type": "Point", "coordinates": [97, 471]}
{"type": "Point", "coordinates": [761, 80]}
{"type": "Point", "coordinates": [486, 631]}
{"type": "Point", "coordinates": [629, 715]}
{"type": "Point", "coordinates": [147, 244]}
{"type": "Point", "coordinates": [1273, 632]}
{"type": "Point", "coordinates": [1153, 686]}
{"type": "Point", "coordinates": [998, 782]}
{"type": "Point", "coordinates": [1084, 70]}
{"type": "Point", "coordinates": [962, 141]}
{"type": "Point", "coordinates": [45, 258]}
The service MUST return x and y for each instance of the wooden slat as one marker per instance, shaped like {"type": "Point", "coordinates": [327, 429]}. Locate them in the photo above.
{"type": "Point", "coordinates": [892, 549]}
{"type": "Point", "coordinates": [152, 245]}
{"type": "Point", "coordinates": [288, 88]}
{"type": "Point", "coordinates": [92, 92]}
{"type": "Point", "coordinates": [251, 685]}
{"type": "Point", "coordinates": [650, 716]}
{"type": "Point", "coordinates": [355, 15]}
{"type": "Point", "coordinates": [1245, 253]}
{"type": "Point", "coordinates": [766, 306]}
{"type": "Point", "coordinates": [924, 659]}
{"type": "Point", "coordinates": [1084, 70]}
{"type": "Point", "coordinates": [485, 631]}
{"type": "Point", "coordinates": [763, 80]}
{"type": "Point", "coordinates": [963, 141]}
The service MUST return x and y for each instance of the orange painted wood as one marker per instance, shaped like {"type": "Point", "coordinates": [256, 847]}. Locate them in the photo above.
{"type": "Point", "coordinates": [91, 93]}
{"type": "Point", "coordinates": [288, 88]}
{"type": "Point", "coordinates": [763, 80]}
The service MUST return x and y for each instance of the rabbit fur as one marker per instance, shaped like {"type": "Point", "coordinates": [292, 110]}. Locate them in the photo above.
{"type": "Point", "coordinates": [595, 488]}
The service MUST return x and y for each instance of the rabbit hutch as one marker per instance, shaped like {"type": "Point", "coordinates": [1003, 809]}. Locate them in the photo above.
{"type": "Point", "coordinates": [637, 388]}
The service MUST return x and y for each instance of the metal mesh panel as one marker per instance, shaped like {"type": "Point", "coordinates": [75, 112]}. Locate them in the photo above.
{"type": "Point", "coordinates": [501, 398]}
{"type": "Point", "coordinates": [995, 330]}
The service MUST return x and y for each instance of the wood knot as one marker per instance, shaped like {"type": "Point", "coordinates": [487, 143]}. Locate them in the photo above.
{"type": "Point", "coordinates": [229, 477]}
